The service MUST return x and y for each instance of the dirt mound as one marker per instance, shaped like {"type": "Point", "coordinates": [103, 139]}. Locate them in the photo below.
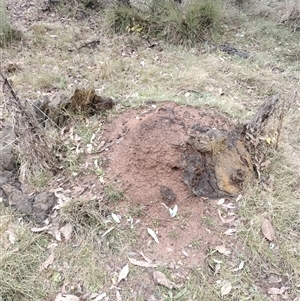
{"type": "Point", "coordinates": [158, 147]}
{"type": "Point", "coordinates": [151, 147]}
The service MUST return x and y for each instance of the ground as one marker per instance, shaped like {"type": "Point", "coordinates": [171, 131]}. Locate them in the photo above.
{"type": "Point", "coordinates": [118, 165]}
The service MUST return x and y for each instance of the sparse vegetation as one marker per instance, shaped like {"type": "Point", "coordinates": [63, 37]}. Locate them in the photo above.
{"type": "Point", "coordinates": [162, 53]}
{"type": "Point", "coordinates": [113, 194]}
{"type": "Point", "coordinates": [7, 33]}
{"type": "Point", "coordinates": [85, 216]}
{"type": "Point", "coordinates": [187, 24]}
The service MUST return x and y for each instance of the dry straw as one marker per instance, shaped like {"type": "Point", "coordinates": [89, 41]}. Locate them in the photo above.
{"type": "Point", "coordinates": [32, 145]}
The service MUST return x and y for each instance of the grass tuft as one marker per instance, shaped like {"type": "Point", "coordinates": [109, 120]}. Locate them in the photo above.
{"type": "Point", "coordinates": [85, 216]}
{"type": "Point", "coordinates": [186, 25]}
{"type": "Point", "coordinates": [7, 33]}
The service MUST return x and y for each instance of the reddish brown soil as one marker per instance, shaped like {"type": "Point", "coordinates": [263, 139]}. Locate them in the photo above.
{"type": "Point", "coordinates": [147, 153]}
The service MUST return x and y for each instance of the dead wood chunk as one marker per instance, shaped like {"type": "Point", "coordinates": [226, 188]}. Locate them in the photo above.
{"type": "Point", "coordinates": [87, 101]}
{"type": "Point", "coordinates": [7, 158]}
{"type": "Point", "coordinates": [53, 110]}
{"type": "Point", "coordinates": [167, 194]}
{"type": "Point", "coordinates": [102, 103]}
{"type": "Point", "coordinates": [263, 114]}
{"type": "Point", "coordinates": [216, 163]}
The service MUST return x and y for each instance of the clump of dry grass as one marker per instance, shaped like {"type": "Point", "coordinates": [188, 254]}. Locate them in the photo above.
{"type": "Point", "coordinates": [32, 146]}
{"type": "Point", "coordinates": [187, 24]}
{"type": "Point", "coordinates": [7, 33]}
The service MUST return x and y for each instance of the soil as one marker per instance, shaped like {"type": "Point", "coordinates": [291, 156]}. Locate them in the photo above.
{"type": "Point", "coordinates": [148, 148]}
{"type": "Point", "coordinates": [145, 161]}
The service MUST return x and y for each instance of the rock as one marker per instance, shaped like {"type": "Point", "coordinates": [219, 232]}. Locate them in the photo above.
{"type": "Point", "coordinates": [7, 137]}
{"type": "Point", "coordinates": [42, 205]}
{"type": "Point", "coordinates": [15, 198]}
{"type": "Point", "coordinates": [36, 207]}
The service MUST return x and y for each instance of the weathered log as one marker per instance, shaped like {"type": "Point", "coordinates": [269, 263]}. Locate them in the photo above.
{"type": "Point", "coordinates": [218, 163]}
{"type": "Point", "coordinates": [263, 114]}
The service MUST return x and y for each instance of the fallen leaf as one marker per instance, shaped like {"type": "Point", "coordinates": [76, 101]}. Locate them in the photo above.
{"type": "Point", "coordinates": [239, 197]}
{"type": "Point", "coordinates": [48, 261]}
{"type": "Point", "coordinates": [66, 231]}
{"type": "Point", "coordinates": [145, 257]}
{"type": "Point", "coordinates": [228, 206]}
{"type": "Point", "coordinates": [142, 263]}
{"type": "Point", "coordinates": [93, 295]}
{"type": "Point", "coordinates": [37, 230]}
{"type": "Point", "coordinates": [223, 250]}
{"type": "Point", "coordinates": [54, 231]}
{"type": "Point", "coordinates": [217, 268]}
{"type": "Point", "coordinates": [115, 218]}
{"type": "Point", "coordinates": [274, 291]}
{"type": "Point", "coordinates": [123, 273]}
{"type": "Point", "coordinates": [100, 297]}
{"type": "Point", "coordinates": [220, 202]}
{"type": "Point", "coordinates": [11, 235]}
{"type": "Point", "coordinates": [268, 230]}
{"type": "Point", "coordinates": [225, 221]}
{"type": "Point", "coordinates": [118, 296]}
{"type": "Point", "coordinates": [152, 234]}
{"type": "Point", "coordinates": [277, 291]}
{"type": "Point", "coordinates": [173, 211]}
{"type": "Point", "coordinates": [61, 297]}
{"type": "Point", "coordinates": [89, 148]}
{"type": "Point", "coordinates": [106, 232]}
{"type": "Point", "coordinates": [230, 231]}
{"type": "Point", "coordinates": [161, 279]}
{"type": "Point", "coordinates": [226, 288]}
{"type": "Point", "coordinates": [240, 267]}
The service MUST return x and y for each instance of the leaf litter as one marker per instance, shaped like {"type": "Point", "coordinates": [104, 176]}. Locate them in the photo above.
{"type": "Point", "coordinates": [160, 278]}
{"type": "Point", "coordinates": [50, 259]}
{"type": "Point", "coordinates": [153, 235]}
{"type": "Point", "coordinates": [226, 288]}
{"type": "Point", "coordinates": [268, 230]}
{"type": "Point", "coordinates": [223, 250]}
{"type": "Point", "coordinates": [140, 263]}
{"type": "Point", "coordinates": [123, 273]}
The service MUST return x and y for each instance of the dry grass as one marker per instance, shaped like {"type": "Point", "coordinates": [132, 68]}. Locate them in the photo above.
{"type": "Point", "coordinates": [7, 33]}
{"type": "Point", "coordinates": [187, 76]}
{"type": "Point", "coordinates": [185, 24]}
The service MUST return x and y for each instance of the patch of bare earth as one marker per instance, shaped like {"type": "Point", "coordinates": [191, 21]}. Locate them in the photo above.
{"type": "Point", "coordinates": [146, 157]}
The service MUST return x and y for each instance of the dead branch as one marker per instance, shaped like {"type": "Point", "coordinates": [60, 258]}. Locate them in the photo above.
{"type": "Point", "coordinates": [32, 145]}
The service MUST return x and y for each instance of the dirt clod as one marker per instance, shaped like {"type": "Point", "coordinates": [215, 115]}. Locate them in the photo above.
{"type": "Point", "coordinates": [167, 193]}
